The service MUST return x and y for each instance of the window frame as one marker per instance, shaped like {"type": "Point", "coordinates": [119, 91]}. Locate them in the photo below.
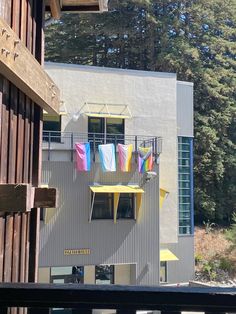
{"type": "Point", "coordinates": [112, 206]}
{"type": "Point", "coordinates": [134, 215]}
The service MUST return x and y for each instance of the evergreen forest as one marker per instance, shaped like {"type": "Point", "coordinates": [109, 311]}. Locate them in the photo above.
{"type": "Point", "coordinates": [195, 39]}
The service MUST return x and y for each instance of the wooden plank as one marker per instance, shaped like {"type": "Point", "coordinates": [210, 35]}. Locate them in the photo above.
{"type": "Point", "coordinates": [16, 197]}
{"type": "Point", "coordinates": [16, 248]}
{"type": "Point", "coordinates": [27, 141]}
{"type": "Point", "coordinates": [21, 68]}
{"type": "Point", "coordinates": [23, 14]}
{"type": "Point", "coordinates": [12, 152]}
{"type": "Point", "coordinates": [29, 37]}
{"type": "Point", "coordinates": [27, 246]}
{"type": "Point", "coordinates": [34, 244]}
{"type": "Point", "coordinates": [34, 27]}
{"type": "Point", "coordinates": [20, 138]}
{"type": "Point", "coordinates": [23, 247]}
{"type": "Point", "coordinates": [5, 123]}
{"type": "Point", "coordinates": [2, 245]}
{"type": "Point", "coordinates": [8, 248]}
{"type": "Point", "coordinates": [37, 140]}
{"type": "Point", "coordinates": [16, 16]}
{"type": "Point", "coordinates": [55, 9]}
{"type": "Point", "coordinates": [46, 197]}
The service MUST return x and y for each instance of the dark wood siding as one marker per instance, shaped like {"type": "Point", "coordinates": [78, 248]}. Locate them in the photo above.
{"type": "Point", "coordinates": [20, 151]}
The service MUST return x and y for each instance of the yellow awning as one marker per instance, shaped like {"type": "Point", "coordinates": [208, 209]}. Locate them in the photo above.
{"type": "Point", "coordinates": [167, 255]}
{"type": "Point", "coordinates": [163, 194]}
{"type": "Point", "coordinates": [105, 110]}
{"type": "Point", "coordinates": [116, 189]}
{"type": "Point", "coordinates": [106, 115]}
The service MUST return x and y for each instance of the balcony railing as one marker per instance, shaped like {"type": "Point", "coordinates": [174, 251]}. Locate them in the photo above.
{"type": "Point", "coordinates": [124, 299]}
{"type": "Point", "coordinates": [53, 140]}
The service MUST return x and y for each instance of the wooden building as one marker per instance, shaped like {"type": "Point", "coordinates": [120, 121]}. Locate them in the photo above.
{"type": "Point", "coordinates": [25, 90]}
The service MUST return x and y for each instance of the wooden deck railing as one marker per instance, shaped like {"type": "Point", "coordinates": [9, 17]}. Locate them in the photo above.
{"type": "Point", "coordinates": [125, 299]}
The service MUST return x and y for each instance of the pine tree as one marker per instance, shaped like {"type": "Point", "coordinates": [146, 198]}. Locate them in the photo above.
{"type": "Point", "coordinates": [195, 39]}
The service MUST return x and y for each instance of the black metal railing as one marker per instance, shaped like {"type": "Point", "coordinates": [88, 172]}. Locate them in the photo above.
{"type": "Point", "coordinates": [54, 140]}
{"type": "Point", "coordinates": [124, 299]}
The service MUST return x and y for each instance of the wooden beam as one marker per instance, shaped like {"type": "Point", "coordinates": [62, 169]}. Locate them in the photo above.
{"type": "Point", "coordinates": [23, 197]}
{"type": "Point", "coordinates": [15, 197]}
{"type": "Point", "coordinates": [19, 66]}
{"type": "Point", "coordinates": [55, 9]}
{"type": "Point", "coordinates": [46, 197]}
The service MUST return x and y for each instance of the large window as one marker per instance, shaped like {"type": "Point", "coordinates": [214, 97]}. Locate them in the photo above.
{"type": "Point", "coordinates": [185, 180]}
{"type": "Point", "coordinates": [103, 207]}
{"type": "Point", "coordinates": [70, 274]}
{"type": "Point", "coordinates": [106, 130]}
{"type": "Point", "coordinates": [126, 206]}
{"type": "Point", "coordinates": [52, 128]}
{"type": "Point", "coordinates": [104, 274]}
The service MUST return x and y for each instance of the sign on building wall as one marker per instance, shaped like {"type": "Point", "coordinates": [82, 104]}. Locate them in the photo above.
{"type": "Point", "coordinates": [77, 251]}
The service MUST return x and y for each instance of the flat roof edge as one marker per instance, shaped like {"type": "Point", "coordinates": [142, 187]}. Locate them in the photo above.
{"type": "Point", "coordinates": [78, 67]}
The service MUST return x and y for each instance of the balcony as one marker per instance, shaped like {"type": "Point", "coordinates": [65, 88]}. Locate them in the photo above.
{"type": "Point", "coordinates": [125, 299]}
{"type": "Point", "coordinates": [61, 141]}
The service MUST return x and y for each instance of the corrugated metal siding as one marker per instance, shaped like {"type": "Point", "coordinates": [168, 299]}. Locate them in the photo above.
{"type": "Point", "coordinates": [183, 269]}
{"type": "Point", "coordinates": [124, 242]}
{"type": "Point", "coordinates": [185, 108]}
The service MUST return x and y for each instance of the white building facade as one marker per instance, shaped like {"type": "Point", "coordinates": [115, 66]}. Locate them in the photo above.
{"type": "Point", "coordinates": [119, 227]}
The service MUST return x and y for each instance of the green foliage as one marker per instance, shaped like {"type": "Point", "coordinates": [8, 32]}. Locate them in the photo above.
{"type": "Point", "coordinates": [231, 232]}
{"type": "Point", "coordinates": [198, 259]}
{"type": "Point", "coordinates": [195, 39]}
{"type": "Point", "coordinates": [227, 265]}
{"type": "Point", "coordinates": [210, 269]}
{"type": "Point", "coordinates": [209, 226]}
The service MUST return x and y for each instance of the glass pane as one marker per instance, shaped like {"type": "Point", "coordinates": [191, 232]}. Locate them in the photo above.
{"type": "Point", "coordinates": [126, 206]}
{"type": "Point", "coordinates": [103, 206]}
{"type": "Point", "coordinates": [95, 125]}
{"type": "Point", "coordinates": [115, 126]}
{"type": "Point", "coordinates": [163, 272]}
{"type": "Point", "coordinates": [61, 270]}
{"type": "Point", "coordinates": [104, 274]}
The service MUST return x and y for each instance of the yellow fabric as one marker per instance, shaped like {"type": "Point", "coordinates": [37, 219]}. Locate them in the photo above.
{"type": "Point", "coordinates": [116, 202]}
{"type": "Point", "coordinates": [163, 194]}
{"type": "Point", "coordinates": [138, 205]}
{"type": "Point", "coordinates": [116, 189]}
{"type": "Point", "coordinates": [107, 115]}
{"type": "Point", "coordinates": [167, 255]}
{"type": "Point", "coordinates": [47, 117]}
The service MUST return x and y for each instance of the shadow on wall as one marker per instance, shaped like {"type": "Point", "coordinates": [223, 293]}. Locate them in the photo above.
{"type": "Point", "coordinates": [70, 228]}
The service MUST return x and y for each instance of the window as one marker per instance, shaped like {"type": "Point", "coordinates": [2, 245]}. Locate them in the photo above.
{"type": "Point", "coordinates": [104, 274]}
{"type": "Point", "coordinates": [163, 272]}
{"type": "Point", "coordinates": [185, 180]}
{"type": "Point", "coordinates": [103, 206]}
{"type": "Point", "coordinates": [107, 130]}
{"type": "Point", "coordinates": [51, 124]}
{"type": "Point", "coordinates": [126, 206]}
{"type": "Point", "coordinates": [70, 274]}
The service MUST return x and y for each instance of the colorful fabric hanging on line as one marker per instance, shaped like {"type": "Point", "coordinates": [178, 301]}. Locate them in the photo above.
{"type": "Point", "coordinates": [107, 157]}
{"type": "Point", "coordinates": [82, 156]}
{"type": "Point", "coordinates": [125, 157]}
{"type": "Point", "coordinates": [145, 159]}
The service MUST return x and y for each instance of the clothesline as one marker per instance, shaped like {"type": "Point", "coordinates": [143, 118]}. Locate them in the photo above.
{"type": "Point", "coordinates": [107, 157]}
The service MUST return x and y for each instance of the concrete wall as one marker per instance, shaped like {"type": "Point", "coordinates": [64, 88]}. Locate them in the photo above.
{"type": "Point", "coordinates": [151, 97]}
{"type": "Point", "coordinates": [183, 269]}
{"type": "Point", "coordinates": [127, 241]}
{"type": "Point", "coordinates": [185, 108]}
